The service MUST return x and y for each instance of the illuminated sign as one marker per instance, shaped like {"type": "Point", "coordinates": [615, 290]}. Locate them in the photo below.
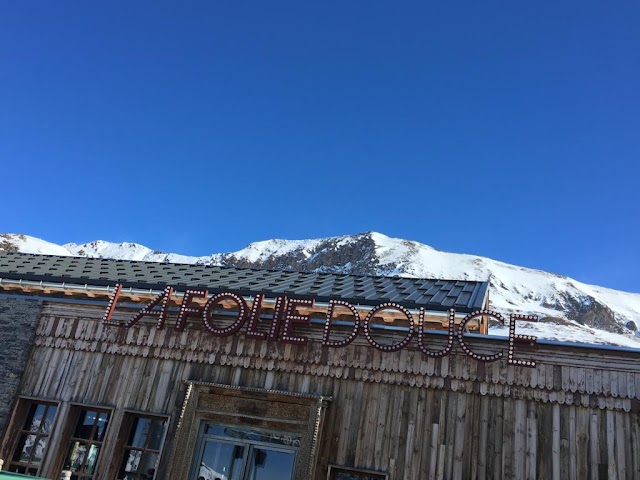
{"type": "Point", "coordinates": [286, 317]}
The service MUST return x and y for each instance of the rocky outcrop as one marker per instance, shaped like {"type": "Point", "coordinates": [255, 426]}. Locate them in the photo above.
{"type": "Point", "coordinates": [356, 256]}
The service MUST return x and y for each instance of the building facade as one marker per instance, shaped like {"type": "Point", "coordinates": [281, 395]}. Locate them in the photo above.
{"type": "Point", "coordinates": [238, 374]}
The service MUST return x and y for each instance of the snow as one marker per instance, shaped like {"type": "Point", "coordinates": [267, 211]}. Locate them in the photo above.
{"type": "Point", "coordinates": [573, 333]}
{"type": "Point", "coordinates": [259, 251]}
{"type": "Point", "coordinates": [28, 244]}
{"type": "Point", "coordinates": [512, 288]}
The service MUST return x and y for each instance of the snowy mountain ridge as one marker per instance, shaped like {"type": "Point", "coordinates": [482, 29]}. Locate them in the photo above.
{"type": "Point", "coordinates": [571, 310]}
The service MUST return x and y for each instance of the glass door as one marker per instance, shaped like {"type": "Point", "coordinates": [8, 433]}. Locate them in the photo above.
{"type": "Point", "coordinates": [233, 453]}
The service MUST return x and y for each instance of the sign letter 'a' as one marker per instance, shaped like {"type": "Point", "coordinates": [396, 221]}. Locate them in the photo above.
{"type": "Point", "coordinates": [161, 300]}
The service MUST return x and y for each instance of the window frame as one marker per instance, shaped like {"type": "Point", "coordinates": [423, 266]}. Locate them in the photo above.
{"type": "Point", "coordinates": [17, 429]}
{"type": "Point", "coordinates": [122, 447]}
{"type": "Point", "coordinates": [73, 418]}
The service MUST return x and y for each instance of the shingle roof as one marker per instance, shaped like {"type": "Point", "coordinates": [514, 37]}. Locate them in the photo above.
{"type": "Point", "coordinates": [464, 296]}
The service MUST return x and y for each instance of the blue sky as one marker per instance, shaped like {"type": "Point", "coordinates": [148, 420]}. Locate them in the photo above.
{"type": "Point", "coordinates": [504, 129]}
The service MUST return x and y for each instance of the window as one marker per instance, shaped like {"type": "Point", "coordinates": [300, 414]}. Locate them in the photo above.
{"type": "Point", "coordinates": [237, 453]}
{"type": "Point", "coordinates": [344, 473]}
{"type": "Point", "coordinates": [33, 438]}
{"type": "Point", "coordinates": [86, 443]}
{"type": "Point", "coordinates": [142, 447]}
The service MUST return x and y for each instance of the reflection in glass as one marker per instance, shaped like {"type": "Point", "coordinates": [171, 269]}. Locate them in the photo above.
{"type": "Point", "coordinates": [101, 426]}
{"type": "Point", "coordinates": [34, 418]}
{"type": "Point", "coordinates": [38, 451]}
{"type": "Point", "coordinates": [148, 463]}
{"type": "Point", "coordinates": [139, 432]}
{"type": "Point", "coordinates": [221, 461]}
{"type": "Point", "coordinates": [137, 461]}
{"type": "Point", "coordinates": [48, 421]}
{"type": "Point", "coordinates": [76, 456]}
{"type": "Point", "coordinates": [265, 464]}
{"type": "Point", "coordinates": [250, 435]}
{"type": "Point", "coordinates": [32, 442]}
{"type": "Point", "coordinates": [94, 450]}
{"type": "Point", "coordinates": [156, 433]}
{"type": "Point", "coordinates": [85, 424]}
{"type": "Point", "coordinates": [131, 461]}
{"type": "Point", "coordinates": [23, 452]}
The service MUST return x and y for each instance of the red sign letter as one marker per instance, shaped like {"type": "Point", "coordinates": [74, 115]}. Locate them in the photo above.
{"type": "Point", "coordinates": [463, 345]}
{"type": "Point", "coordinates": [277, 317]}
{"type": "Point", "coordinates": [447, 349]}
{"type": "Point", "coordinates": [235, 326]}
{"type": "Point", "coordinates": [327, 326]}
{"type": "Point", "coordinates": [254, 318]}
{"type": "Point", "coordinates": [513, 337]}
{"type": "Point", "coordinates": [106, 320]}
{"type": "Point", "coordinates": [162, 300]}
{"type": "Point", "coordinates": [393, 347]}
{"type": "Point", "coordinates": [185, 309]}
{"type": "Point", "coordinates": [290, 319]}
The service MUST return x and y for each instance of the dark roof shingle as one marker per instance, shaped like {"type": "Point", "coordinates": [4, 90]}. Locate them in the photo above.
{"type": "Point", "coordinates": [432, 294]}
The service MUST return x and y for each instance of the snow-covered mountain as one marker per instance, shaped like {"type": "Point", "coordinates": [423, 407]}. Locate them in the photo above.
{"type": "Point", "coordinates": [571, 310]}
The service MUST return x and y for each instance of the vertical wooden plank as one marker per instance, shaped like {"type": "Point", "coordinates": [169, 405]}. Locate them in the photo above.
{"type": "Point", "coordinates": [449, 422]}
{"type": "Point", "coordinates": [635, 445]}
{"type": "Point", "coordinates": [627, 444]}
{"type": "Point", "coordinates": [364, 445]}
{"type": "Point", "coordinates": [331, 435]}
{"type": "Point", "coordinates": [532, 441]}
{"type": "Point", "coordinates": [472, 428]}
{"type": "Point", "coordinates": [427, 462]}
{"type": "Point", "coordinates": [611, 452]}
{"type": "Point", "coordinates": [520, 439]}
{"type": "Point", "coordinates": [620, 445]}
{"type": "Point", "coordinates": [461, 444]}
{"type": "Point", "coordinates": [555, 450]}
{"type": "Point", "coordinates": [594, 450]}
{"type": "Point", "coordinates": [490, 439]}
{"type": "Point", "coordinates": [564, 439]}
{"type": "Point", "coordinates": [380, 459]}
{"type": "Point", "coordinates": [394, 418]}
{"type": "Point", "coordinates": [442, 422]}
{"type": "Point", "coordinates": [435, 443]}
{"type": "Point", "coordinates": [415, 455]}
{"type": "Point", "coordinates": [508, 436]}
{"type": "Point", "coordinates": [402, 420]}
{"type": "Point", "coordinates": [345, 423]}
{"type": "Point", "coordinates": [355, 420]}
{"type": "Point", "coordinates": [483, 437]}
{"type": "Point", "coordinates": [582, 443]}
{"type": "Point", "coordinates": [498, 440]}
{"type": "Point", "coordinates": [573, 443]}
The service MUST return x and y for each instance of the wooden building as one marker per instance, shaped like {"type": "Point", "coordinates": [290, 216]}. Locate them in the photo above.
{"type": "Point", "coordinates": [281, 375]}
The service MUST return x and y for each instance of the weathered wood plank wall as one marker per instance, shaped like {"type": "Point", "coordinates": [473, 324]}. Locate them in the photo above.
{"type": "Point", "coordinates": [574, 416]}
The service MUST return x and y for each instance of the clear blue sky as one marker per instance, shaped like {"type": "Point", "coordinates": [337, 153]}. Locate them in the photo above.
{"type": "Point", "coordinates": [509, 129]}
